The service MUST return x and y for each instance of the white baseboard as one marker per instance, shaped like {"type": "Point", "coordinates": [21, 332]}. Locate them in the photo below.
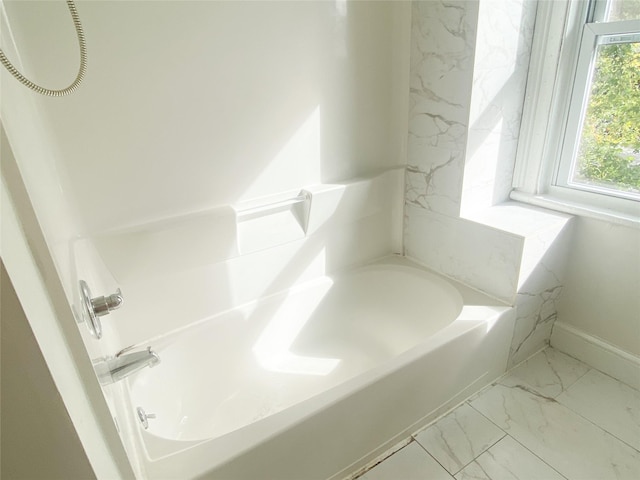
{"type": "Point", "coordinates": [597, 353]}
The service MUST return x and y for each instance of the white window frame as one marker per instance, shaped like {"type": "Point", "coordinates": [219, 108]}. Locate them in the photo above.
{"type": "Point", "coordinates": [548, 133]}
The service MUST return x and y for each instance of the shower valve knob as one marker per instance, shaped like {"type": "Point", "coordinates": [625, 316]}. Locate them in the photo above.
{"type": "Point", "coordinates": [93, 308]}
{"type": "Point", "coordinates": [103, 305]}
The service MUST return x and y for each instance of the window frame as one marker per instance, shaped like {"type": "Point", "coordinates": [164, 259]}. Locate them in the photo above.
{"type": "Point", "coordinates": [564, 45]}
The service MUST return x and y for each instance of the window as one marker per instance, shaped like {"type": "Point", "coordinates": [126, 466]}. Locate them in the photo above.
{"type": "Point", "coordinates": [580, 136]}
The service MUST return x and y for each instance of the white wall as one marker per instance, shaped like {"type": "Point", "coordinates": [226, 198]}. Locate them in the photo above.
{"type": "Point", "coordinates": [601, 294]}
{"type": "Point", "coordinates": [38, 438]}
{"type": "Point", "coordinates": [189, 105]}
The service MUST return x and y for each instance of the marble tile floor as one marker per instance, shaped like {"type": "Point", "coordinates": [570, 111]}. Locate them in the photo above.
{"type": "Point", "coordinates": [552, 417]}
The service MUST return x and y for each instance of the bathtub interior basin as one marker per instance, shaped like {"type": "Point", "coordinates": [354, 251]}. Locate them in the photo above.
{"type": "Point", "coordinates": [256, 360]}
{"type": "Point", "coordinates": [347, 364]}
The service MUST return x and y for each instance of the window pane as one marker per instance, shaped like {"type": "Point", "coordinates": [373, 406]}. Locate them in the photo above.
{"type": "Point", "coordinates": [623, 10]}
{"type": "Point", "coordinates": [609, 151]}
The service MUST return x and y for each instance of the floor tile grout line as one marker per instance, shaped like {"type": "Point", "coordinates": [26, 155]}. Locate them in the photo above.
{"type": "Point", "coordinates": [465, 402]}
{"type": "Point", "coordinates": [596, 369]}
{"type": "Point", "coordinates": [560, 383]}
{"type": "Point", "coordinates": [510, 370]}
{"type": "Point", "coordinates": [572, 411]}
{"type": "Point", "coordinates": [434, 458]}
{"type": "Point", "coordinates": [506, 434]}
{"type": "Point", "coordinates": [508, 373]}
{"type": "Point", "coordinates": [563, 389]}
{"type": "Point", "coordinates": [568, 408]}
{"type": "Point", "coordinates": [612, 378]}
{"type": "Point", "coordinates": [446, 413]}
{"type": "Point", "coordinates": [537, 456]}
{"type": "Point", "coordinates": [592, 422]}
{"type": "Point", "coordinates": [492, 422]}
{"type": "Point", "coordinates": [484, 451]}
{"type": "Point", "coordinates": [496, 382]}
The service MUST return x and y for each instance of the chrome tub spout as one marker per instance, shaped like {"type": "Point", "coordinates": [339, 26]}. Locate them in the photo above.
{"type": "Point", "coordinates": [119, 367]}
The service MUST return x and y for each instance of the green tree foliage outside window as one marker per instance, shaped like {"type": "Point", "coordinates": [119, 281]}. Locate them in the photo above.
{"type": "Point", "coordinates": [609, 153]}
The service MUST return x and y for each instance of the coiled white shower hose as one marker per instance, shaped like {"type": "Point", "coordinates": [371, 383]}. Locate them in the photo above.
{"type": "Point", "coordinates": [81, 71]}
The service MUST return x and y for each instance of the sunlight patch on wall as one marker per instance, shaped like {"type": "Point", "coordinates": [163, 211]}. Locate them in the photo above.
{"type": "Point", "coordinates": [481, 168]}
{"type": "Point", "coordinates": [297, 164]}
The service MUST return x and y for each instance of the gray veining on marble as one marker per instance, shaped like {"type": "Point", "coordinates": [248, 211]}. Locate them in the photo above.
{"type": "Point", "coordinates": [475, 254]}
{"type": "Point", "coordinates": [570, 444]}
{"type": "Point", "coordinates": [585, 433]}
{"type": "Point", "coordinates": [544, 257]}
{"type": "Point", "coordinates": [458, 438]}
{"type": "Point", "coordinates": [549, 373]}
{"type": "Point", "coordinates": [508, 460]}
{"type": "Point", "coordinates": [535, 313]}
{"type": "Point", "coordinates": [442, 41]}
{"type": "Point", "coordinates": [433, 178]}
{"type": "Point", "coordinates": [468, 69]}
{"type": "Point", "coordinates": [607, 402]}
{"type": "Point", "coordinates": [441, 62]}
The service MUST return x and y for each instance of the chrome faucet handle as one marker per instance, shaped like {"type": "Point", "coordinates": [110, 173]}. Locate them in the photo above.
{"type": "Point", "coordinates": [93, 308]}
{"type": "Point", "coordinates": [144, 416]}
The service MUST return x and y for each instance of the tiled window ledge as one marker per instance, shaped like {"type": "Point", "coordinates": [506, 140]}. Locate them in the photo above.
{"type": "Point", "coordinates": [545, 244]}
{"type": "Point", "coordinates": [540, 228]}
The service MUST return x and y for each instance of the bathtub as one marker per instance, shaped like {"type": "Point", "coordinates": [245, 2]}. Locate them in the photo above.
{"type": "Point", "coordinates": [316, 381]}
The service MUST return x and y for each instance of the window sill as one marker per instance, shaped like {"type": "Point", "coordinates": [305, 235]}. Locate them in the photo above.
{"type": "Point", "coordinates": [575, 208]}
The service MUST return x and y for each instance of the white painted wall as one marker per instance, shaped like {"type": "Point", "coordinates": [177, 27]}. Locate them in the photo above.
{"type": "Point", "coordinates": [601, 292]}
{"type": "Point", "coordinates": [38, 438]}
{"type": "Point", "coordinates": [192, 106]}
{"type": "Point", "coordinates": [38, 285]}
{"type": "Point", "coordinates": [189, 105]}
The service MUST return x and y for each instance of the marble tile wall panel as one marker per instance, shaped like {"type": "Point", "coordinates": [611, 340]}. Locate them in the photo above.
{"type": "Point", "coordinates": [474, 254]}
{"type": "Point", "coordinates": [502, 51]}
{"type": "Point", "coordinates": [442, 41]}
{"type": "Point", "coordinates": [536, 311]}
{"type": "Point", "coordinates": [540, 286]}
{"type": "Point", "coordinates": [468, 69]}
{"type": "Point", "coordinates": [433, 179]}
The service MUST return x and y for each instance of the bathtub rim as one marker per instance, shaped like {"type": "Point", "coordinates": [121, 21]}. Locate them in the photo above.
{"type": "Point", "coordinates": [477, 312]}
{"type": "Point", "coordinates": [331, 396]}
{"type": "Point", "coordinates": [455, 289]}
{"type": "Point", "coordinates": [469, 295]}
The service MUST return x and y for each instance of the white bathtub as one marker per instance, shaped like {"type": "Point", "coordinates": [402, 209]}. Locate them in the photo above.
{"type": "Point", "coordinates": [316, 381]}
